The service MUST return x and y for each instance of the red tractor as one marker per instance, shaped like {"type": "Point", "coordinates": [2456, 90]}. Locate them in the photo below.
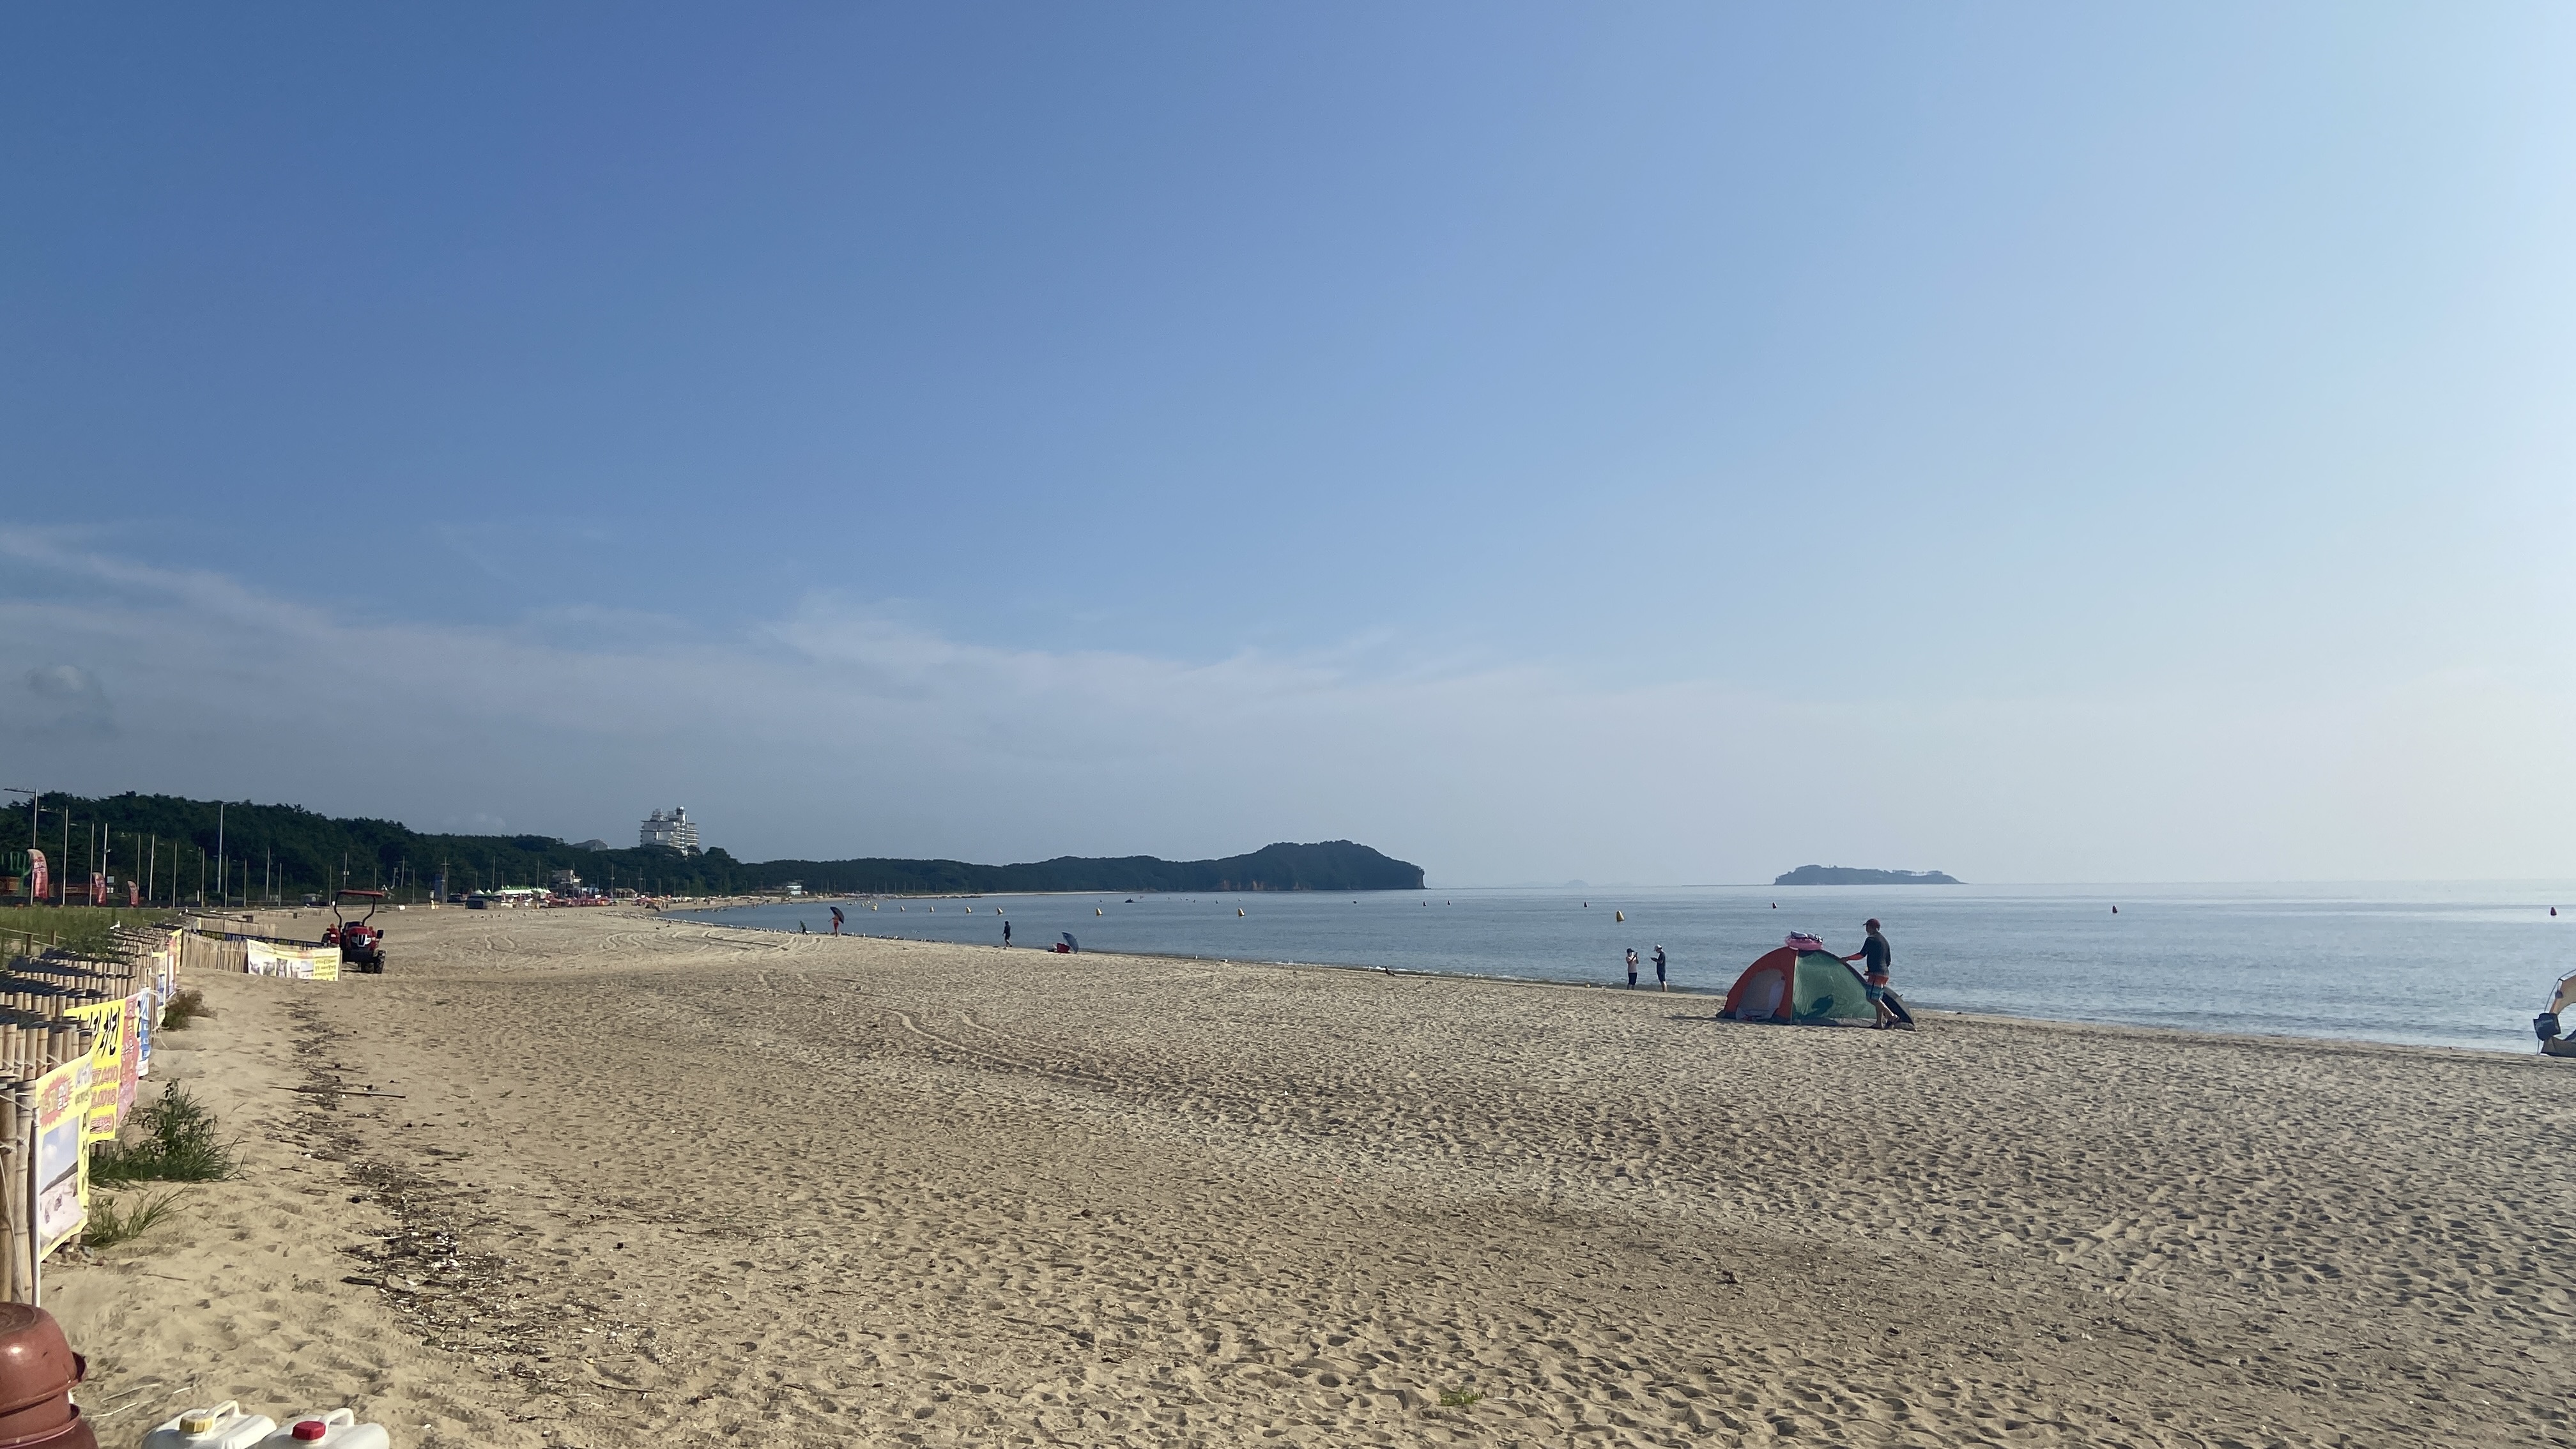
{"type": "Point", "coordinates": [362, 946]}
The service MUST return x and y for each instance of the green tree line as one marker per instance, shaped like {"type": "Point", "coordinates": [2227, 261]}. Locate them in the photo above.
{"type": "Point", "coordinates": [192, 850]}
{"type": "Point", "coordinates": [285, 852]}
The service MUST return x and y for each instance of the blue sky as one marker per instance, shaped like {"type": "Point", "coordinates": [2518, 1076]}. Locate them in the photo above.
{"type": "Point", "coordinates": [1653, 443]}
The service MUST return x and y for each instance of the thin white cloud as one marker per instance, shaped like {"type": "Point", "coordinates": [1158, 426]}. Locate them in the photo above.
{"type": "Point", "coordinates": [841, 730]}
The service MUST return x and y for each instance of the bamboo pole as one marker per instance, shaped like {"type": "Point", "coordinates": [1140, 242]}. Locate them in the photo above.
{"type": "Point", "coordinates": [15, 1209]}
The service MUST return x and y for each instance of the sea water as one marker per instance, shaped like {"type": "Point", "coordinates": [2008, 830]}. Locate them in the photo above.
{"type": "Point", "coordinates": [2451, 964]}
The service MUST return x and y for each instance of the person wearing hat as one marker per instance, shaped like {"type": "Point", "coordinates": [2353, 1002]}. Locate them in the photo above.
{"type": "Point", "coordinates": [1659, 970]}
{"type": "Point", "coordinates": [1874, 974]}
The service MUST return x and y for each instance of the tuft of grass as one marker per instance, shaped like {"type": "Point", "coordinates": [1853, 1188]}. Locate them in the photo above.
{"type": "Point", "coordinates": [1460, 1398]}
{"type": "Point", "coordinates": [184, 1008]}
{"type": "Point", "coordinates": [176, 1143]}
{"type": "Point", "coordinates": [110, 1225]}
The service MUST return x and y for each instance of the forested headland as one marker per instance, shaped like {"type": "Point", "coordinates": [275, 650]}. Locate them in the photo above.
{"type": "Point", "coordinates": [286, 851]}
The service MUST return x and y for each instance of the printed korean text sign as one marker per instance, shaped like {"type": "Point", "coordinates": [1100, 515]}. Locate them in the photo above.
{"type": "Point", "coordinates": [106, 1023]}
{"type": "Point", "coordinates": [129, 1046]}
{"type": "Point", "coordinates": [299, 962]}
{"type": "Point", "coordinates": [165, 963]}
{"type": "Point", "coordinates": [162, 964]}
{"type": "Point", "coordinates": [62, 1153]}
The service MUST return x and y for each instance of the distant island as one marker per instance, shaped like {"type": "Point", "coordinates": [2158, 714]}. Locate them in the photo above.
{"type": "Point", "coordinates": [286, 851]}
{"type": "Point", "coordinates": [1852, 875]}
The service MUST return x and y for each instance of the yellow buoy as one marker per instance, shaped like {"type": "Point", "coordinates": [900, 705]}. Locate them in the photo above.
{"type": "Point", "coordinates": [1238, 910]}
{"type": "Point", "coordinates": [872, 905]}
{"type": "Point", "coordinates": [1095, 910]}
{"type": "Point", "coordinates": [1618, 915]}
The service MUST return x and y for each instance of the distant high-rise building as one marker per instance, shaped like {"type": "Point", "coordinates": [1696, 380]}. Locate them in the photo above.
{"type": "Point", "coordinates": [674, 829]}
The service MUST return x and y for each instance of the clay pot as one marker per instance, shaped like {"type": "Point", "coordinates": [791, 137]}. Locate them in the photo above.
{"type": "Point", "coordinates": [37, 1372]}
{"type": "Point", "coordinates": [38, 1422]}
{"type": "Point", "coordinates": [73, 1435]}
{"type": "Point", "coordinates": [36, 1361]}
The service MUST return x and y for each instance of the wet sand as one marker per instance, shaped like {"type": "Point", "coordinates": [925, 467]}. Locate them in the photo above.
{"type": "Point", "coordinates": [654, 1181]}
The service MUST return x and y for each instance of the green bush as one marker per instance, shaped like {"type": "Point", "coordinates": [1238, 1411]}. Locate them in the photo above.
{"type": "Point", "coordinates": [176, 1143]}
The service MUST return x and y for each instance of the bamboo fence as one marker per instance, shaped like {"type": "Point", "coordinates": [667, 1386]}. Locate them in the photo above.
{"type": "Point", "coordinates": [37, 991]}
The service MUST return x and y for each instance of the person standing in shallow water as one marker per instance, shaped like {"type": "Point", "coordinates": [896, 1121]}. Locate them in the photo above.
{"type": "Point", "coordinates": [1659, 970]}
{"type": "Point", "coordinates": [1632, 968]}
{"type": "Point", "coordinates": [1006, 933]}
{"type": "Point", "coordinates": [1876, 953]}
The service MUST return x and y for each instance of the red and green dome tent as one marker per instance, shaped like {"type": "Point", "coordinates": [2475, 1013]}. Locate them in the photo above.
{"type": "Point", "coordinates": [1814, 987]}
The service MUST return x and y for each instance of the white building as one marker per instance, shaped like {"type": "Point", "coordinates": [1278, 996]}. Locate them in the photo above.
{"type": "Point", "coordinates": [675, 829]}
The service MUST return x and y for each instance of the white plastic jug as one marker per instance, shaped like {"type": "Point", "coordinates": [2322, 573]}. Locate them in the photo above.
{"type": "Point", "coordinates": [338, 1429]}
{"type": "Point", "coordinates": [224, 1426]}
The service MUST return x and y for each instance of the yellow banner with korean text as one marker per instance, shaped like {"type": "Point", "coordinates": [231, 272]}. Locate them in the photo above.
{"type": "Point", "coordinates": [115, 1060]}
{"type": "Point", "coordinates": [62, 1154]}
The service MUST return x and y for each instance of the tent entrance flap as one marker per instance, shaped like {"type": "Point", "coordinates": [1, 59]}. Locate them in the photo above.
{"type": "Point", "coordinates": [1758, 994]}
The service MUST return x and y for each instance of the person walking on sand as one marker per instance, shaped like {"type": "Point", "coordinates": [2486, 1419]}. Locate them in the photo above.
{"type": "Point", "coordinates": [1876, 954]}
{"type": "Point", "coordinates": [1632, 968]}
{"type": "Point", "coordinates": [1006, 933]}
{"type": "Point", "coordinates": [1659, 970]}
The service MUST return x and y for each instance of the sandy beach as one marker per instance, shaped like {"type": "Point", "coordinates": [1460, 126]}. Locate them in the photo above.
{"type": "Point", "coordinates": [626, 1180]}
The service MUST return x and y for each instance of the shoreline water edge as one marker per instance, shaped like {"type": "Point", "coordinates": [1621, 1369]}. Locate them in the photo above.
{"type": "Point", "coordinates": [2459, 965]}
